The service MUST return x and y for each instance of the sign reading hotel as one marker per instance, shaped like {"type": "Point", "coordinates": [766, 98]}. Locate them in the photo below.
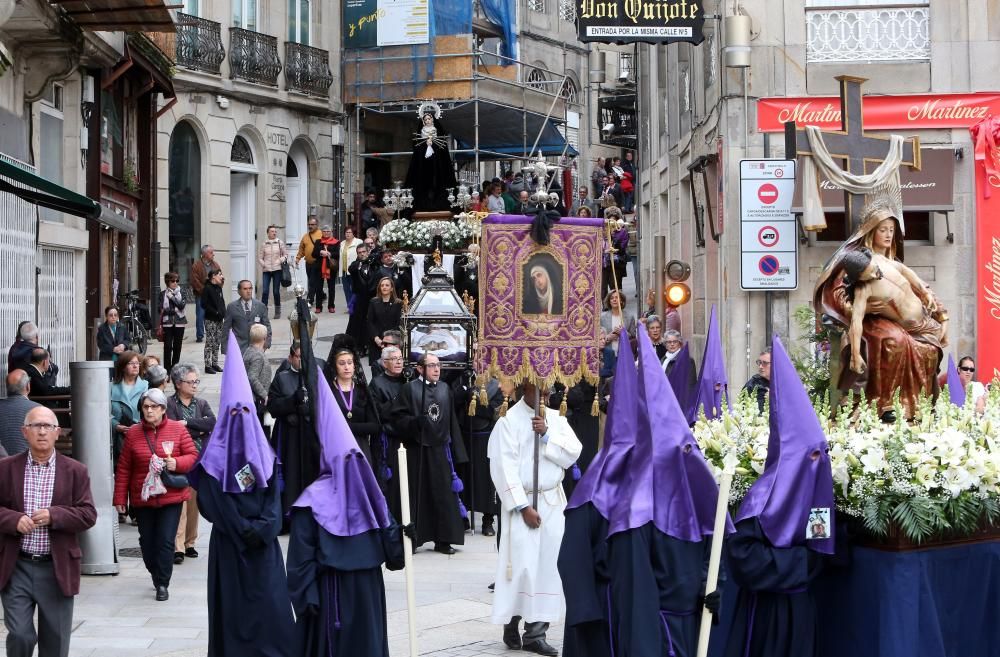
{"type": "Point", "coordinates": [916, 111]}
{"type": "Point", "coordinates": [374, 23]}
{"type": "Point", "coordinates": [650, 21]}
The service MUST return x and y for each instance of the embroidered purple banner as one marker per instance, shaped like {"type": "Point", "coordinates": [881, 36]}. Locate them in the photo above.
{"type": "Point", "coordinates": [541, 304]}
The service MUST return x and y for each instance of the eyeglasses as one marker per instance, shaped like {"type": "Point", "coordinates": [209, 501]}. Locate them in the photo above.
{"type": "Point", "coordinates": [432, 365]}
{"type": "Point", "coordinates": [394, 359]}
{"type": "Point", "coordinates": [192, 382]}
{"type": "Point", "coordinates": [133, 362]}
{"type": "Point", "coordinates": [762, 363]}
{"type": "Point", "coordinates": [673, 342]}
{"type": "Point", "coordinates": [970, 370]}
{"type": "Point", "coordinates": [42, 426]}
{"type": "Point", "coordinates": [149, 407]}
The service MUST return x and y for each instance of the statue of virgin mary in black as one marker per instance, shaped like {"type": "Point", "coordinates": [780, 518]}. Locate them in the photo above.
{"type": "Point", "coordinates": [431, 173]}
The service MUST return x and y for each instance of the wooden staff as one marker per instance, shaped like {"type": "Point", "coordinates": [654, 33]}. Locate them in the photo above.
{"type": "Point", "coordinates": [718, 535]}
{"type": "Point", "coordinates": [411, 596]}
{"type": "Point", "coordinates": [538, 443]}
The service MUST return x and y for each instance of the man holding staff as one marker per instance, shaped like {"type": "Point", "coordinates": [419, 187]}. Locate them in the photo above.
{"type": "Point", "coordinates": [527, 581]}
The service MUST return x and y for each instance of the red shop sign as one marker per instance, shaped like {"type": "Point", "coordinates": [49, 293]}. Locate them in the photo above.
{"type": "Point", "coordinates": [912, 112]}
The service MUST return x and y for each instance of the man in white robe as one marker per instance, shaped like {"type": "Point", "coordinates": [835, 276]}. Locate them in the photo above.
{"type": "Point", "coordinates": [527, 580]}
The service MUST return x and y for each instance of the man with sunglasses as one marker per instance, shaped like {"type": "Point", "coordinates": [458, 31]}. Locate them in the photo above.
{"type": "Point", "coordinates": [45, 503]}
{"type": "Point", "coordinates": [760, 383]}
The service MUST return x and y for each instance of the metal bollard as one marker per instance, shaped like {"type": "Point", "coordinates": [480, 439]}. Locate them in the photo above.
{"type": "Point", "coordinates": [91, 399]}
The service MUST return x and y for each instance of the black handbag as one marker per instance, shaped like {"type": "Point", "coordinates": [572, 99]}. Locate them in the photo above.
{"type": "Point", "coordinates": [169, 479]}
{"type": "Point", "coordinates": [286, 275]}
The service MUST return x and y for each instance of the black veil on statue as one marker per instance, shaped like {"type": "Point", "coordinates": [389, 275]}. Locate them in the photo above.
{"type": "Point", "coordinates": [430, 177]}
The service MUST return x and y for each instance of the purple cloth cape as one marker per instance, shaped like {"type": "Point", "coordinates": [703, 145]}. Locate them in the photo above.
{"type": "Point", "coordinates": [956, 391]}
{"type": "Point", "coordinates": [797, 476]}
{"type": "Point", "coordinates": [606, 480]}
{"type": "Point", "coordinates": [713, 380]}
{"type": "Point", "coordinates": [670, 484]}
{"type": "Point", "coordinates": [345, 500]}
{"type": "Point", "coordinates": [237, 439]}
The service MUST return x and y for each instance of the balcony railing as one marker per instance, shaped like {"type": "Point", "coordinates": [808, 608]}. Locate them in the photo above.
{"type": "Point", "coordinates": [199, 43]}
{"type": "Point", "coordinates": [253, 57]}
{"type": "Point", "coordinates": [858, 34]}
{"type": "Point", "coordinates": [307, 69]}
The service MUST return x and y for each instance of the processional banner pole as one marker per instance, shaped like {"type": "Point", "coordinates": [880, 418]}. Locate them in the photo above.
{"type": "Point", "coordinates": [715, 556]}
{"type": "Point", "coordinates": [411, 595]}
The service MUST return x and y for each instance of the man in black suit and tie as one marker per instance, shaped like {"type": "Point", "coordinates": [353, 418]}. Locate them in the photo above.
{"type": "Point", "coordinates": [242, 314]}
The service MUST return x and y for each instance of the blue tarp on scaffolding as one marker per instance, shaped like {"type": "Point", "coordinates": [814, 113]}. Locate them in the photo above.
{"type": "Point", "coordinates": [503, 14]}
{"type": "Point", "coordinates": [503, 130]}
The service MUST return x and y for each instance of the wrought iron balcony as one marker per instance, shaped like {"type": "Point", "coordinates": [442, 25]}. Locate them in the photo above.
{"type": "Point", "coordinates": [307, 69]}
{"type": "Point", "coordinates": [199, 43]}
{"type": "Point", "coordinates": [253, 57]}
{"type": "Point", "coordinates": [861, 33]}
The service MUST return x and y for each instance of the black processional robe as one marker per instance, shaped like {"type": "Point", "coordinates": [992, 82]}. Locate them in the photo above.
{"type": "Point", "coordinates": [249, 614]}
{"type": "Point", "coordinates": [384, 389]}
{"type": "Point", "coordinates": [294, 437]}
{"type": "Point", "coordinates": [774, 592]}
{"type": "Point", "coordinates": [434, 506]}
{"type": "Point", "coordinates": [336, 587]}
{"type": "Point", "coordinates": [579, 402]}
{"type": "Point", "coordinates": [657, 587]}
{"type": "Point", "coordinates": [479, 493]}
{"type": "Point", "coordinates": [357, 327]}
{"type": "Point", "coordinates": [583, 568]}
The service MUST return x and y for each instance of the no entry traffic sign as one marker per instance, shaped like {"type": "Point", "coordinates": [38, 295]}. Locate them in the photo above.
{"type": "Point", "coordinates": [768, 230]}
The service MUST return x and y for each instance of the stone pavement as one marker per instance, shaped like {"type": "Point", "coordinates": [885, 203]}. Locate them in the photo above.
{"type": "Point", "coordinates": [117, 616]}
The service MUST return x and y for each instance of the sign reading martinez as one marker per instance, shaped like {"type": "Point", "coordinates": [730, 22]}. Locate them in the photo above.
{"type": "Point", "coordinates": [651, 21]}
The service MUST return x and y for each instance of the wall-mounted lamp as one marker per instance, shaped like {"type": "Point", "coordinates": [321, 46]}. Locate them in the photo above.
{"type": "Point", "coordinates": [222, 102]}
{"type": "Point", "coordinates": [86, 110]}
{"type": "Point", "coordinates": [736, 31]}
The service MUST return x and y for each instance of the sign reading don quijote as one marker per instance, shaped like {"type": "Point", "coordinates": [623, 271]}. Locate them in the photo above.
{"type": "Point", "coordinates": [652, 21]}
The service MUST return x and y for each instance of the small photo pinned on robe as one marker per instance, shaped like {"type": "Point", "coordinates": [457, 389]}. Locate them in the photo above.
{"type": "Point", "coordinates": [819, 523]}
{"type": "Point", "coordinates": [245, 479]}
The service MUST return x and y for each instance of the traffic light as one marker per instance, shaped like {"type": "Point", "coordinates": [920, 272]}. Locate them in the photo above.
{"type": "Point", "coordinates": [675, 291]}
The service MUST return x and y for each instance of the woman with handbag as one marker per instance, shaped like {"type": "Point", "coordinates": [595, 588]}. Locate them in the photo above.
{"type": "Point", "coordinates": [149, 476]}
{"type": "Point", "coordinates": [272, 257]}
{"type": "Point", "coordinates": [172, 319]}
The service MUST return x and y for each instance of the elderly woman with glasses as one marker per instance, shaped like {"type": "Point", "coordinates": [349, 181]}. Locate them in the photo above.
{"type": "Point", "coordinates": [197, 417]}
{"type": "Point", "coordinates": [154, 447]}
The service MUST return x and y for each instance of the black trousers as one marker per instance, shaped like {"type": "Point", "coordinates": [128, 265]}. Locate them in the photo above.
{"type": "Point", "coordinates": [173, 336]}
{"type": "Point", "coordinates": [321, 296]}
{"type": "Point", "coordinates": [157, 530]}
{"type": "Point", "coordinates": [314, 276]}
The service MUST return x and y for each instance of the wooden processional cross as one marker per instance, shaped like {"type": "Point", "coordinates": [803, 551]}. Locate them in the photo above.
{"type": "Point", "coordinates": [851, 144]}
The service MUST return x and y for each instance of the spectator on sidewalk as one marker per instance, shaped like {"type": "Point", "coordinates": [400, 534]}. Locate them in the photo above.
{"type": "Point", "coordinates": [13, 410]}
{"type": "Point", "coordinates": [172, 319]}
{"type": "Point", "coordinates": [154, 446]}
{"type": "Point", "coordinates": [200, 273]}
{"type": "Point", "coordinates": [326, 253]}
{"type": "Point", "coordinates": [126, 390]}
{"type": "Point", "coordinates": [197, 417]}
{"type": "Point", "coordinates": [147, 362]}
{"type": "Point", "coordinates": [257, 367]}
{"type": "Point", "coordinates": [348, 254]}
{"type": "Point", "coordinates": [759, 385]}
{"type": "Point", "coordinates": [112, 336]}
{"type": "Point", "coordinates": [44, 506]}
{"type": "Point", "coordinates": [19, 354]}
{"type": "Point", "coordinates": [42, 385]}
{"type": "Point", "coordinates": [306, 247]}
{"type": "Point", "coordinates": [272, 256]}
{"type": "Point", "coordinates": [241, 315]}
{"type": "Point", "coordinates": [156, 377]}
{"type": "Point", "coordinates": [215, 313]}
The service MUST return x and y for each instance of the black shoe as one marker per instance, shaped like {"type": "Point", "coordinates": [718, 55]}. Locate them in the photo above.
{"type": "Point", "coordinates": [208, 369]}
{"type": "Point", "coordinates": [200, 340]}
{"type": "Point", "coordinates": [162, 595]}
{"type": "Point", "coordinates": [218, 369]}
{"type": "Point", "coordinates": [191, 553]}
{"type": "Point", "coordinates": [492, 586]}
{"type": "Point", "coordinates": [540, 647]}
{"type": "Point", "coordinates": [277, 313]}
{"type": "Point", "coordinates": [488, 529]}
{"type": "Point", "coordinates": [444, 548]}
{"type": "Point", "coordinates": [178, 558]}
{"type": "Point", "coordinates": [512, 637]}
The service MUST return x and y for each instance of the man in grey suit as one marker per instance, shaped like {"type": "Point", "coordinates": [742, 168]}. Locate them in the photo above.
{"type": "Point", "coordinates": [242, 314]}
{"type": "Point", "coordinates": [13, 411]}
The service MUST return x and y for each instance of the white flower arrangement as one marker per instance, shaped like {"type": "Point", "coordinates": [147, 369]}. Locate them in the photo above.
{"type": "Point", "coordinates": [936, 476]}
{"type": "Point", "coordinates": [416, 235]}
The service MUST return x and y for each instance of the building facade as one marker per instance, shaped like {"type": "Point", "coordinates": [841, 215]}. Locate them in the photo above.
{"type": "Point", "coordinates": [254, 137]}
{"type": "Point", "coordinates": [698, 121]}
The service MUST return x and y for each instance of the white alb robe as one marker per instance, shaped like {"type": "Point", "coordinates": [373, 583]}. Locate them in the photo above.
{"type": "Point", "coordinates": [533, 590]}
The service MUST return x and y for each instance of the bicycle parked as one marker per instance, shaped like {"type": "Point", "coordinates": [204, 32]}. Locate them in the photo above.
{"type": "Point", "coordinates": [137, 321]}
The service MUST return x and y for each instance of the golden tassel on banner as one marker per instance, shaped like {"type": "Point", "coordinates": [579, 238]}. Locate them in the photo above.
{"type": "Point", "coordinates": [562, 407]}
{"type": "Point", "coordinates": [483, 397]}
{"type": "Point", "coordinates": [472, 404]}
{"type": "Point", "coordinates": [503, 407]}
{"type": "Point", "coordinates": [595, 408]}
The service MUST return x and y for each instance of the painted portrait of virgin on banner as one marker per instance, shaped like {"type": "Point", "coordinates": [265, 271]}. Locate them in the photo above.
{"type": "Point", "coordinates": [541, 304]}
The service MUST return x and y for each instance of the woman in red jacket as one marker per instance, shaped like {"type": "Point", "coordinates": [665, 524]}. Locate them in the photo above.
{"type": "Point", "coordinates": [157, 508]}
